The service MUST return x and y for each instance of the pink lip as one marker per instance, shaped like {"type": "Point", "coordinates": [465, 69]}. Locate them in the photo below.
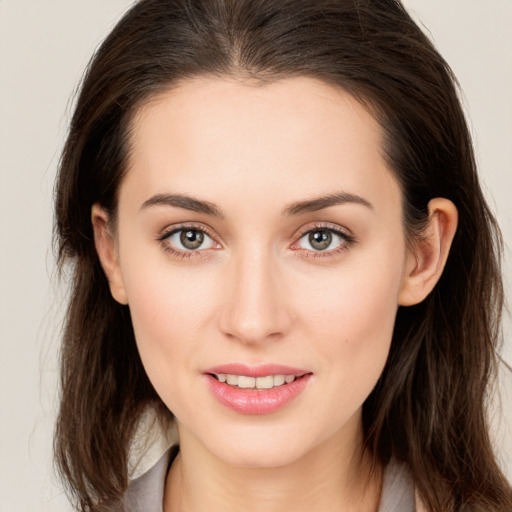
{"type": "Point", "coordinates": [257, 401]}
{"type": "Point", "coordinates": [257, 371]}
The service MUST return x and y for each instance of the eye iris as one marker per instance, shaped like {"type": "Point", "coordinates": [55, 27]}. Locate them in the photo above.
{"type": "Point", "coordinates": [320, 240]}
{"type": "Point", "coordinates": [191, 238]}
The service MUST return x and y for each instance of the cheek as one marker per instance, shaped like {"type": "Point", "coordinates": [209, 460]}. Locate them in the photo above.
{"type": "Point", "coordinates": [352, 317]}
{"type": "Point", "coordinates": [161, 305]}
{"type": "Point", "coordinates": [167, 309]}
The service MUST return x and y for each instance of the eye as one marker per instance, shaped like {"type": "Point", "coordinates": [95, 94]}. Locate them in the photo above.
{"type": "Point", "coordinates": [189, 239]}
{"type": "Point", "coordinates": [324, 240]}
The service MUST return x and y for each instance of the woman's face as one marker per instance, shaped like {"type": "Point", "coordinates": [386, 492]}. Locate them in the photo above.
{"type": "Point", "coordinates": [260, 235]}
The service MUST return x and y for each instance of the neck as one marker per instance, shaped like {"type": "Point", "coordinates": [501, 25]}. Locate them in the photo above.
{"type": "Point", "coordinates": [334, 476]}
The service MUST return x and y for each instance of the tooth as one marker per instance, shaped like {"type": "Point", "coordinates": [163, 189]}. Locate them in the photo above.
{"type": "Point", "coordinates": [279, 380]}
{"type": "Point", "coordinates": [265, 382]}
{"type": "Point", "coordinates": [232, 379]}
{"type": "Point", "coordinates": [246, 382]}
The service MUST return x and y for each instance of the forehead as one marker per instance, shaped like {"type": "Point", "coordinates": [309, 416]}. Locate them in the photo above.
{"type": "Point", "coordinates": [294, 136]}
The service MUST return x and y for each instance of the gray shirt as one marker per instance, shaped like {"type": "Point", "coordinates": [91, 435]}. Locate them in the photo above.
{"type": "Point", "coordinates": [145, 493]}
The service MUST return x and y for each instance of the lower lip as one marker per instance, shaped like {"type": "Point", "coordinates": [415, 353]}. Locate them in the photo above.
{"type": "Point", "coordinates": [257, 401]}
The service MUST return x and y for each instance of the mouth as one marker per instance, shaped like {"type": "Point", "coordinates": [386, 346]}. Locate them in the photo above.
{"type": "Point", "coordinates": [256, 390]}
{"type": "Point", "coordinates": [248, 382]}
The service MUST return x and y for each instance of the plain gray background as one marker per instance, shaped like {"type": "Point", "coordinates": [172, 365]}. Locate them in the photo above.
{"type": "Point", "coordinates": [44, 47]}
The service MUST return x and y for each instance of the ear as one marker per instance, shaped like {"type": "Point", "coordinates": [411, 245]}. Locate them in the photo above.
{"type": "Point", "coordinates": [105, 244]}
{"type": "Point", "coordinates": [426, 260]}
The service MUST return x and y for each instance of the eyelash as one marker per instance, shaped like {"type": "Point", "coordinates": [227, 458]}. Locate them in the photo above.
{"type": "Point", "coordinates": [168, 248]}
{"type": "Point", "coordinates": [347, 241]}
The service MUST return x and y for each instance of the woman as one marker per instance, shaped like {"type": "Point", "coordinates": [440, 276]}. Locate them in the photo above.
{"type": "Point", "coordinates": [281, 247]}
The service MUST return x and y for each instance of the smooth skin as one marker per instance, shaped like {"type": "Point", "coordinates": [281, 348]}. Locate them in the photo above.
{"type": "Point", "coordinates": [241, 168]}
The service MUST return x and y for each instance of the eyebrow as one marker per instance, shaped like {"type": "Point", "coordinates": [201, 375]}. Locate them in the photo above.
{"type": "Point", "coordinates": [182, 201]}
{"type": "Point", "coordinates": [319, 203]}
{"type": "Point", "coordinates": [297, 208]}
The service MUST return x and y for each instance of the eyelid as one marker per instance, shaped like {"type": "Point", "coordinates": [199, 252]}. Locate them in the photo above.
{"type": "Point", "coordinates": [168, 231]}
{"type": "Point", "coordinates": [327, 226]}
{"type": "Point", "coordinates": [338, 230]}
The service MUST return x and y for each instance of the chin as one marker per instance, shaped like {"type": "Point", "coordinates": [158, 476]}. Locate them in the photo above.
{"type": "Point", "coordinates": [259, 448]}
{"type": "Point", "coordinates": [257, 456]}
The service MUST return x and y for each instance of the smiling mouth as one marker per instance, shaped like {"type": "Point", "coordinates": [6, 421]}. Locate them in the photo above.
{"type": "Point", "coordinates": [247, 382]}
{"type": "Point", "coordinates": [255, 390]}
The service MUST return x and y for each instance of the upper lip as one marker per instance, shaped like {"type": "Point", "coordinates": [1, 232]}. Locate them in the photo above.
{"type": "Point", "coordinates": [256, 371]}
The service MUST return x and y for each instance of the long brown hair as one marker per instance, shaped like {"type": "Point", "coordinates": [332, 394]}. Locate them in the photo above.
{"type": "Point", "coordinates": [428, 408]}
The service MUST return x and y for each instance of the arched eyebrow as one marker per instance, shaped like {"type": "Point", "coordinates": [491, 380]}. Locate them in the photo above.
{"type": "Point", "coordinates": [297, 208]}
{"type": "Point", "coordinates": [319, 203]}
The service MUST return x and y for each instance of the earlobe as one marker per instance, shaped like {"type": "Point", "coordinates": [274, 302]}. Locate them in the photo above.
{"type": "Point", "coordinates": [106, 248]}
{"type": "Point", "coordinates": [426, 261]}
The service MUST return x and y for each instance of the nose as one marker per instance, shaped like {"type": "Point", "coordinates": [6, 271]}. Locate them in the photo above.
{"type": "Point", "coordinates": [255, 309]}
